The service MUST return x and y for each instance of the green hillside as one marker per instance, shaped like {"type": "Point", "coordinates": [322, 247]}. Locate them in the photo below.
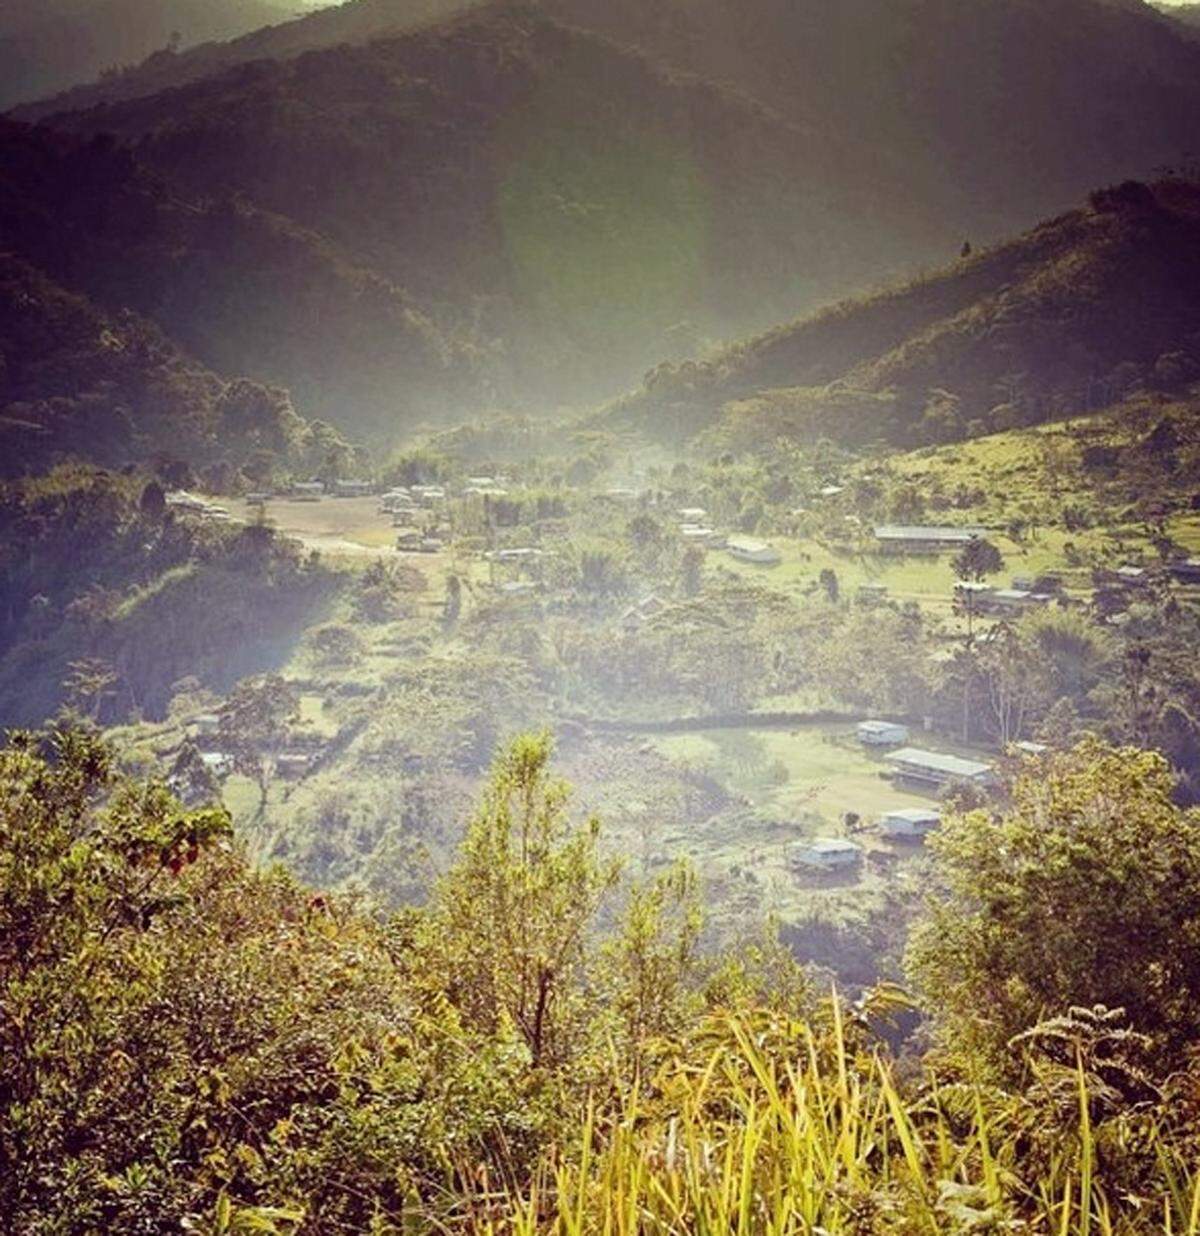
{"type": "Point", "coordinates": [1079, 311]}
{"type": "Point", "coordinates": [578, 211]}
{"type": "Point", "coordinates": [242, 290]}
{"type": "Point", "coordinates": [572, 203]}
{"type": "Point", "coordinates": [328, 26]}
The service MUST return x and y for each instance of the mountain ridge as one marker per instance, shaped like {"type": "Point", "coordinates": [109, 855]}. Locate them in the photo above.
{"type": "Point", "coordinates": [1080, 309]}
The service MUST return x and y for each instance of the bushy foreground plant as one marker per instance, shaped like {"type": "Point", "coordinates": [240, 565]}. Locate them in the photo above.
{"type": "Point", "coordinates": [187, 1043]}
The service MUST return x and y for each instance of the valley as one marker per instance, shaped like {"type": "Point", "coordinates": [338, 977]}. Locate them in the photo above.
{"type": "Point", "coordinates": [598, 618]}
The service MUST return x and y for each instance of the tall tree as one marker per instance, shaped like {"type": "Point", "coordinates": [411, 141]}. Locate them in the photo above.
{"type": "Point", "coordinates": [255, 722]}
{"type": "Point", "coordinates": [511, 917]}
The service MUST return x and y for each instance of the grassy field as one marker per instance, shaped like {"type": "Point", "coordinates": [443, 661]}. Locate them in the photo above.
{"type": "Point", "coordinates": [791, 785]}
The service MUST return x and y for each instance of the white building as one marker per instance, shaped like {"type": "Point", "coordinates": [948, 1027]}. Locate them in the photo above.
{"type": "Point", "coordinates": [933, 770]}
{"type": "Point", "coordinates": [746, 549]}
{"type": "Point", "coordinates": [919, 539]}
{"type": "Point", "coordinates": [909, 824]}
{"type": "Point", "coordinates": [826, 854]}
{"type": "Point", "coordinates": [882, 733]}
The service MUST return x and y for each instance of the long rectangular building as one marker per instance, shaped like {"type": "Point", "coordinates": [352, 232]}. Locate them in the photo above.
{"type": "Point", "coordinates": [933, 769]}
{"type": "Point", "coordinates": [918, 539]}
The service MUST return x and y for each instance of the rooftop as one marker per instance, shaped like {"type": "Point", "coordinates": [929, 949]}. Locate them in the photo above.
{"type": "Point", "coordinates": [915, 815]}
{"type": "Point", "coordinates": [916, 532]}
{"type": "Point", "coordinates": [935, 761]}
{"type": "Point", "coordinates": [830, 845]}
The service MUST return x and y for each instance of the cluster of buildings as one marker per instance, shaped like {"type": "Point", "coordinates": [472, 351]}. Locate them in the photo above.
{"type": "Point", "coordinates": [928, 772]}
{"type": "Point", "coordinates": [204, 732]}
{"type": "Point", "coordinates": [695, 529]}
{"type": "Point", "coordinates": [1002, 602]}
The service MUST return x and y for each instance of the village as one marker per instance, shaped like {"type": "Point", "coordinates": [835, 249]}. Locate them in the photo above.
{"type": "Point", "coordinates": [618, 601]}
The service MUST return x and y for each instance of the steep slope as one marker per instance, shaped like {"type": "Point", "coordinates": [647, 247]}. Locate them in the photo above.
{"type": "Point", "coordinates": [574, 211]}
{"type": "Point", "coordinates": [352, 22]}
{"type": "Point", "coordinates": [580, 212]}
{"type": "Point", "coordinates": [1075, 313]}
{"type": "Point", "coordinates": [52, 45]}
{"type": "Point", "coordinates": [978, 116]}
{"type": "Point", "coordinates": [988, 114]}
{"type": "Point", "coordinates": [244, 291]}
{"type": "Point", "coordinates": [77, 381]}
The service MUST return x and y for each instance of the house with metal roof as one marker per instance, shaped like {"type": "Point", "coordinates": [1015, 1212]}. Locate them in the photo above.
{"type": "Point", "coordinates": [934, 770]}
{"type": "Point", "coordinates": [909, 823]}
{"type": "Point", "coordinates": [918, 539]}
{"type": "Point", "coordinates": [747, 549]}
{"type": "Point", "coordinates": [881, 733]}
{"type": "Point", "coordinates": [825, 854]}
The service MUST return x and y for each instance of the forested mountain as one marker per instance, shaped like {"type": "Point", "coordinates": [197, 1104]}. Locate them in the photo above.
{"type": "Point", "coordinates": [562, 205]}
{"type": "Point", "coordinates": [352, 22]}
{"type": "Point", "coordinates": [987, 115]}
{"type": "Point", "coordinates": [1073, 314]}
{"type": "Point", "coordinates": [573, 203]}
{"type": "Point", "coordinates": [49, 45]}
{"type": "Point", "coordinates": [242, 290]}
{"type": "Point", "coordinates": [75, 380]}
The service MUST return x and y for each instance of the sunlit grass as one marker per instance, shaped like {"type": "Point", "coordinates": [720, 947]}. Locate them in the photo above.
{"type": "Point", "coordinates": [791, 1138]}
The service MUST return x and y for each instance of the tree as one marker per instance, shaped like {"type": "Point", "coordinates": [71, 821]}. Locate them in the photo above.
{"type": "Point", "coordinates": [452, 606]}
{"type": "Point", "coordinates": [690, 571]}
{"type": "Point", "coordinates": [829, 582]}
{"type": "Point", "coordinates": [336, 644]}
{"type": "Point", "coordinates": [89, 683]}
{"type": "Point", "coordinates": [260, 416]}
{"type": "Point", "coordinates": [977, 559]}
{"type": "Point", "coordinates": [255, 721]}
{"type": "Point", "coordinates": [1015, 687]}
{"type": "Point", "coordinates": [652, 962]}
{"type": "Point", "coordinates": [1087, 891]}
{"type": "Point", "coordinates": [511, 917]}
{"type": "Point", "coordinates": [192, 779]}
{"type": "Point", "coordinates": [601, 572]}
{"type": "Point", "coordinates": [153, 502]}
{"type": "Point", "coordinates": [385, 592]}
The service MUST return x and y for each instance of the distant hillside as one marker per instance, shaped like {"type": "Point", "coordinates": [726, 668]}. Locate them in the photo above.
{"type": "Point", "coordinates": [566, 206]}
{"type": "Point", "coordinates": [1189, 14]}
{"type": "Point", "coordinates": [352, 22]}
{"type": "Point", "coordinates": [985, 115]}
{"type": "Point", "coordinates": [74, 380]}
{"type": "Point", "coordinates": [47, 46]}
{"type": "Point", "coordinates": [976, 117]}
{"type": "Point", "coordinates": [242, 290]}
{"type": "Point", "coordinates": [109, 388]}
{"type": "Point", "coordinates": [571, 204]}
{"type": "Point", "coordinates": [1074, 314]}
